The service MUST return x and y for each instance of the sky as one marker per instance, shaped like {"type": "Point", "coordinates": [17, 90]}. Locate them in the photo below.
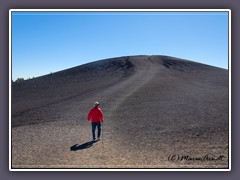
{"type": "Point", "coordinates": [47, 42]}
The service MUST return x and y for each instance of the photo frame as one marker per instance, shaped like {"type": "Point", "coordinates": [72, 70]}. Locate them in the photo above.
{"type": "Point", "coordinates": [171, 157]}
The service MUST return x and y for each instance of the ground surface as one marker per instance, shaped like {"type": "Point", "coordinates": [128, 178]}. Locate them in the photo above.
{"type": "Point", "coordinates": [156, 108]}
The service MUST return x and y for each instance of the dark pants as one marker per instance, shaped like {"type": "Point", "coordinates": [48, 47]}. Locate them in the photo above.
{"type": "Point", "coordinates": [94, 125]}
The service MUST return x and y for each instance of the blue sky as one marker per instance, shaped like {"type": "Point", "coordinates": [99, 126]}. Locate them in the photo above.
{"type": "Point", "coordinates": [44, 42]}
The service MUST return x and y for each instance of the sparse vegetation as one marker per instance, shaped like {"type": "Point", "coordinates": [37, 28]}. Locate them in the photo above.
{"type": "Point", "coordinates": [19, 80]}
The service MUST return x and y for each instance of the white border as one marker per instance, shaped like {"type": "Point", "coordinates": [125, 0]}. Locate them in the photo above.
{"type": "Point", "coordinates": [123, 10]}
{"type": "Point", "coordinates": [10, 89]}
{"type": "Point", "coordinates": [117, 10]}
{"type": "Point", "coordinates": [230, 86]}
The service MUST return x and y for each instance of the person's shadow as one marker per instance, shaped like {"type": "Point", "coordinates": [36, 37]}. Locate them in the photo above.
{"type": "Point", "coordinates": [86, 145]}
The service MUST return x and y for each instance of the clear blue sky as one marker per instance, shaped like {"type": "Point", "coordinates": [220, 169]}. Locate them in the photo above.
{"type": "Point", "coordinates": [44, 42]}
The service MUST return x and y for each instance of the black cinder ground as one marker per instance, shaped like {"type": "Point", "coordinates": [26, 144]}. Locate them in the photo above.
{"type": "Point", "coordinates": [155, 107]}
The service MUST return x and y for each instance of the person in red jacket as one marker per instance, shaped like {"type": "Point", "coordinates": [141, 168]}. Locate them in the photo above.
{"type": "Point", "coordinates": [96, 117]}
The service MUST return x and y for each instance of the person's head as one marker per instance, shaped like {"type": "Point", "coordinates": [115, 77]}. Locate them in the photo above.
{"type": "Point", "coordinates": [96, 104]}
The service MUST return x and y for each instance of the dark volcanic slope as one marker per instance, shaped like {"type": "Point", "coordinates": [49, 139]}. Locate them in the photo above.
{"type": "Point", "coordinates": [58, 88]}
{"type": "Point", "coordinates": [154, 106]}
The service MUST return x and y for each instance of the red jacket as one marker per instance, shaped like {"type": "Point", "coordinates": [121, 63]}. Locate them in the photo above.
{"type": "Point", "coordinates": [95, 115]}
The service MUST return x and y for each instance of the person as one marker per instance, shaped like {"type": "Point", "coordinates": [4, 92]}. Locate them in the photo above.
{"type": "Point", "coordinates": [95, 116]}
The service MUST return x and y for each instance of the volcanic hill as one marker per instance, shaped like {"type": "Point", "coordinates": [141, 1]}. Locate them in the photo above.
{"type": "Point", "coordinates": [154, 107]}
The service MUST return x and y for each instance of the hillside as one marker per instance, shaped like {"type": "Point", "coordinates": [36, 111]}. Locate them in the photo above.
{"type": "Point", "coordinates": [154, 107]}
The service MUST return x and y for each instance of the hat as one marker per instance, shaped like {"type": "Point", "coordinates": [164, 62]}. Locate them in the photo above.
{"type": "Point", "coordinates": [96, 103]}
